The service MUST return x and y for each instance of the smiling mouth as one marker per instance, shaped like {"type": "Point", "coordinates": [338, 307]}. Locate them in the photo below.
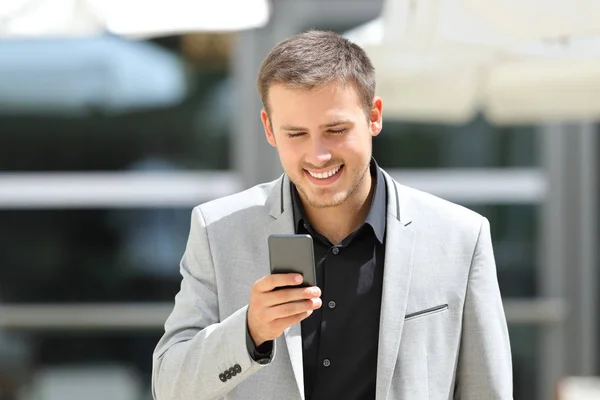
{"type": "Point", "coordinates": [327, 174]}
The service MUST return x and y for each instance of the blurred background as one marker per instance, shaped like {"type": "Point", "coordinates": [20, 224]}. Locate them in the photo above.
{"type": "Point", "coordinates": [118, 117]}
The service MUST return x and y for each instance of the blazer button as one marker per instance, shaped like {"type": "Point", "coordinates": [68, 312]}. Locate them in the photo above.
{"type": "Point", "coordinates": [222, 378]}
{"type": "Point", "coordinates": [237, 368]}
{"type": "Point", "coordinates": [232, 371]}
{"type": "Point", "coordinates": [227, 374]}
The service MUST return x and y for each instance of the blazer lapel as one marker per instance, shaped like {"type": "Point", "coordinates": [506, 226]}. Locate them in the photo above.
{"type": "Point", "coordinates": [280, 208]}
{"type": "Point", "coordinates": [400, 240]}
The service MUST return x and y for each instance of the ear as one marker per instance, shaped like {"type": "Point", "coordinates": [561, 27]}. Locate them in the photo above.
{"type": "Point", "coordinates": [268, 128]}
{"type": "Point", "coordinates": [376, 117]}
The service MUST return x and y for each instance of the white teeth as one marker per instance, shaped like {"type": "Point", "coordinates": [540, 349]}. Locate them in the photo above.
{"type": "Point", "coordinates": [325, 175]}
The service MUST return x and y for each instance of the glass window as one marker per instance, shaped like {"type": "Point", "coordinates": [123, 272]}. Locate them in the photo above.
{"type": "Point", "coordinates": [515, 237]}
{"type": "Point", "coordinates": [524, 340]}
{"type": "Point", "coordinates": [69, 256]}
{"type": "Point", "coordinates": [476, 145]}
{"type": "Point", "coordinates": [58, 364]}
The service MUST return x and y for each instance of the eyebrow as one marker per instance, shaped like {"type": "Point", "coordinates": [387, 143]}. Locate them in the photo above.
{"type": "Point", "coordinates": [329, 125]}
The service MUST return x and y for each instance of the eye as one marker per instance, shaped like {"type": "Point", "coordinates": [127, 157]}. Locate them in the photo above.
{"type": "Point", "coordinates": [338, 132]}
{"type": "Point", "coordinates": [293, 135]}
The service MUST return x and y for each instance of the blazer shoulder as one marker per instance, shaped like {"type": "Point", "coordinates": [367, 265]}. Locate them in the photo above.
{"type": "Point", "coordinates": [437, 210]}
{"type": "Point", "coordinates": [222, 207]}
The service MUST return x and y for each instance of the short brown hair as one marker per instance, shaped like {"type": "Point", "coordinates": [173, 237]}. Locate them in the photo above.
{"type": "Point", "coordinates": [316, 58]}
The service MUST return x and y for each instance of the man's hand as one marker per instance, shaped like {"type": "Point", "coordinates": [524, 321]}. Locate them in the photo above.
{"type": "Point", "coordinates": [271, 311]}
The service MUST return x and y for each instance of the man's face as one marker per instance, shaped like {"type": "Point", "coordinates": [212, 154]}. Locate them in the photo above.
{"type": "Point", "coordinates": [323, 139]}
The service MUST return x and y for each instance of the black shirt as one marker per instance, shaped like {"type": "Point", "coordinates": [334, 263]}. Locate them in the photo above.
{"type": "Point", "coordinates": [340, 339]}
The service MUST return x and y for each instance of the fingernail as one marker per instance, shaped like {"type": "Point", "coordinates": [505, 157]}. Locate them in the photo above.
{"type": "Point", "coordinates": [298, 278]}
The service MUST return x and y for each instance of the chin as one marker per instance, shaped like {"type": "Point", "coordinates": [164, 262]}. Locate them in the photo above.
{"type": "Point", "coordinates": [327, 200]}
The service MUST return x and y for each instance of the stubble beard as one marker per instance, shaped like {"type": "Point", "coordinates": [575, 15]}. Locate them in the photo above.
{"type": "Point", "coordinates": [339, 198]}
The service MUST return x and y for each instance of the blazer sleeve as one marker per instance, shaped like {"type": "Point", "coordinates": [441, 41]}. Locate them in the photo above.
{"type": "Point", "coordinates": [200, 357]}
{"type": "Point", "coordinates": [484, 364]}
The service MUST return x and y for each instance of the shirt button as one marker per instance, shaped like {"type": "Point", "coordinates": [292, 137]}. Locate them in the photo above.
{"type": "Point", "coordinates": [326, 362]}
{"type": "Point", "coordinates": [335, 250]}
{"type": "Point", "coordinates": [331, 304]}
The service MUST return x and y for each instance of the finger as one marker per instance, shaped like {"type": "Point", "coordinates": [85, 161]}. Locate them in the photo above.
{"type": "Point", "coordinates": [292, 308]}
{"type": "Point", "coordinates": [288, 295]}
{"type": "Point", "coordinates": [270, 282]}
{"type": "Point", "coordinates": [286, 322]}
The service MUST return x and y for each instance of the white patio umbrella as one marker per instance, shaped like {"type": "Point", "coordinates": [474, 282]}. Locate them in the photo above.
{"type": "Point", "coordinates": [131, 18]}
{"type": "Point", "coordinates": [544, 81]}
{"type": "Point", "coordinates": [511, 22]}
{"type": "Point", "coordinates": [428, 72]}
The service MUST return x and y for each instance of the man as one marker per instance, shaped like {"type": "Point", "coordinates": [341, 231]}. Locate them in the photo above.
{"type": "Point", "coordinates": [407, 304]}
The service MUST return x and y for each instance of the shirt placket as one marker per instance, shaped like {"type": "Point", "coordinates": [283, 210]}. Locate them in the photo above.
{"type": "Point", "coordinates": [326, 362]}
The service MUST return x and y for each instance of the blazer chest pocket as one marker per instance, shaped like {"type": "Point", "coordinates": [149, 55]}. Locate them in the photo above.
{"type": "Point", "coordinates": [426, 312]}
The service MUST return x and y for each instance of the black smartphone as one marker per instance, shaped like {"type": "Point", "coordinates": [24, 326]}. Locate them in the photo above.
{"type": "Point", "coordinates": [291, 253]}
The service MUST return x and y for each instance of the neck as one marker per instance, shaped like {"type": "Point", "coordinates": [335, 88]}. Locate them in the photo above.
{"type": "Point", "coordinates": [336, 223]}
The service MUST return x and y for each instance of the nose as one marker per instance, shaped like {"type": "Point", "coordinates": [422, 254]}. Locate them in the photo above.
{"type": "Point", "coordinates": [319, 153]}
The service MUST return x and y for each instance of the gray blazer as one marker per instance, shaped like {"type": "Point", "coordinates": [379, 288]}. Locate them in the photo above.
{"type": "Point", "coordinates": [443, 331]}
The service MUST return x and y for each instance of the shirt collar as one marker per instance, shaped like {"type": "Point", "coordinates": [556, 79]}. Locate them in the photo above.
{"type": "Point", "coordinates": [377, 213]}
